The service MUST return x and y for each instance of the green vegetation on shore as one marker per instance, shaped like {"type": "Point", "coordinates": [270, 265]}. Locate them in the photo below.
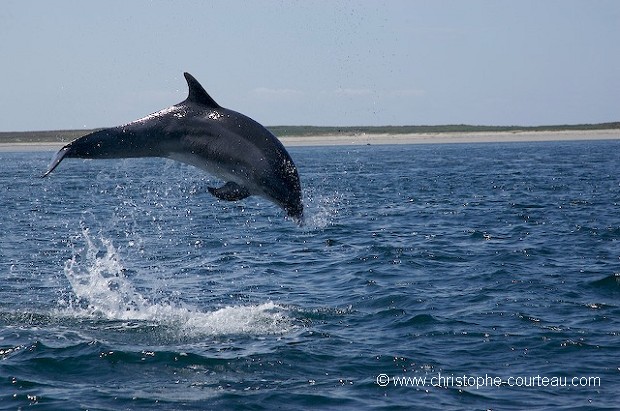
{"type": "Point", "coordinates": [296, 131]}
{"type": "Point", "coordinates": [63, 136]}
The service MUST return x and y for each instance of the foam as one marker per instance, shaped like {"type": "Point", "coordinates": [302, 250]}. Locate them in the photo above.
{"type": "Point", "coordinates": [100, 290]}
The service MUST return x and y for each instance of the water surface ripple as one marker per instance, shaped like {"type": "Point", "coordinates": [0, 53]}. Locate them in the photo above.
{"type": "Point", "coordinates": [125, 285]}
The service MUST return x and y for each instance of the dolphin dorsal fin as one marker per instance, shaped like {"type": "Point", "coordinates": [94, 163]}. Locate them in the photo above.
{"type": "Point", "coordinates": [197, 93]}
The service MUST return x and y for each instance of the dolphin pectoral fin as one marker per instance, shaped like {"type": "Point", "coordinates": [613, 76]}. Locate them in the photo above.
{"type": "Point", "coordinates": [230, 192]}
{"type": "Point", "coordinates": [57, 159]}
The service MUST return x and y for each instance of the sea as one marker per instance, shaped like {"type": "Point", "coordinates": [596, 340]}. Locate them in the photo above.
{"type": "Point", "coordinates": [448, 276]}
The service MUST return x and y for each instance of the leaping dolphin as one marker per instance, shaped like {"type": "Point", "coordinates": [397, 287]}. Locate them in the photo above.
{"type": "Point", "coordinates": [200, 132]}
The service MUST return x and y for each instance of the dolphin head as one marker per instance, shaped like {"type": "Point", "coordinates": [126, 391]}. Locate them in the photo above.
{"type": "Point", "coordinates": [295, 210]}
{"type": "Point", "coordinates": [289, 197]}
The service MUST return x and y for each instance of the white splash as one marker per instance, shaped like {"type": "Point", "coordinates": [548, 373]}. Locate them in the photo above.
{"type": "Point", "coordinates": [323, 210]}
{"type": "Point", "coordinates": [101, 290]}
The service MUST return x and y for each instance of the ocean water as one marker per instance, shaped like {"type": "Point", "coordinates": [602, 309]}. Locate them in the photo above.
{"type": "Point", "coordinates": [468, 276]}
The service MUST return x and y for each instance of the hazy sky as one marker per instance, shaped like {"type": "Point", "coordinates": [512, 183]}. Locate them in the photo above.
{"type": "Point", "coordinates": [86, 64]}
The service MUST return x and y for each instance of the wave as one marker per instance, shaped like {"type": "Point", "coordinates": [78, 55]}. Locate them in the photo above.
{"type": "Point", "coordinates": [610, 283]}
{"type": "Point", "coordinates": [101, 290]}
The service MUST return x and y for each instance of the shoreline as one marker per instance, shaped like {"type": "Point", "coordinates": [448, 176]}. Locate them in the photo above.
{"type": "Point", "coordinates": [451, 138]}
{"type": "Point", "coordinates": [383, 139]}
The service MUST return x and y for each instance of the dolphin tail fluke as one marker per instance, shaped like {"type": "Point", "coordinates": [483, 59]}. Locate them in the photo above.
{"type": "Point", "coordinates": [57, 159]}
{"type": "Point", "coordinates": [230, 192]}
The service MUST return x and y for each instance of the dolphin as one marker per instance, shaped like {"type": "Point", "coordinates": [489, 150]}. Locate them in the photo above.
{"type": "Point", "coordinates": [200, 132]}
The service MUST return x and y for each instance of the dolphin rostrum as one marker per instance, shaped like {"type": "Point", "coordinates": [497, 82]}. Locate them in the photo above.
{"type": "Point", "coordinates": [200, 132]}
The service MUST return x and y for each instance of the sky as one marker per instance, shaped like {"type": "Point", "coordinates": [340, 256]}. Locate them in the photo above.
{"type": "Point", "coordinates": [87, 64]}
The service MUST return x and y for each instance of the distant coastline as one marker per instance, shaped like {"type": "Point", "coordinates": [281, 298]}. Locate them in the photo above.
{"type": "Point", "coordinates": [64, 136]}
{"type": "Point", "coordinates": [317, 135]}
{"type": "Point", "coordinates": [308, 131]}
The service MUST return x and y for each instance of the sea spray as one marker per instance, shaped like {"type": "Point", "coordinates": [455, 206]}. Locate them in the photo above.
{"type": "Point", "coordinates": [322, 209]}
{"type": "Point", "coordinates": [100, 289]}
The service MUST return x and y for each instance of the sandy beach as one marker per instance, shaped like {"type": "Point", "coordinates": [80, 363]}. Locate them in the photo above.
{"type": "Point", "coordinates": [451, 138]}
{"type": "Point", "coordinates": [377, 139]}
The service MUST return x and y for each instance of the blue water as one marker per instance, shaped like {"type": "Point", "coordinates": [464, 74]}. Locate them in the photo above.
{"type": "Point", "coordinates": [125, 286]}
